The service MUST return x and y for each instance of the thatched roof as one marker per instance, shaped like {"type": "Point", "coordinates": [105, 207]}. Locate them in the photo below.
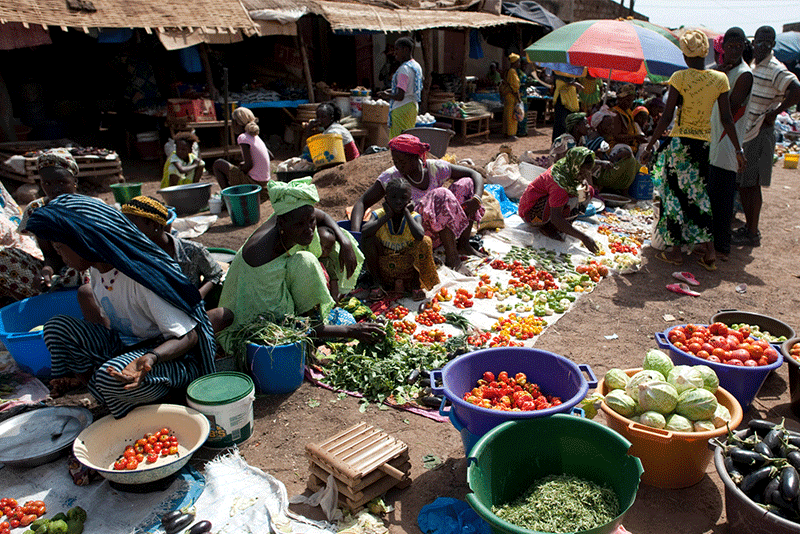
{"type": "Point", "coordinates": [213, 15]}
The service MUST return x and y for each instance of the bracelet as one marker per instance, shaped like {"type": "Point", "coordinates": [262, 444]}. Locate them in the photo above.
{"type": "Point", "coordinates": [154, 353]}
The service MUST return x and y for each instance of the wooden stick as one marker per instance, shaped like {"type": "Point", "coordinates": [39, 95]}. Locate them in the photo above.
{"type": "Point", "coordinates": [306, 67]}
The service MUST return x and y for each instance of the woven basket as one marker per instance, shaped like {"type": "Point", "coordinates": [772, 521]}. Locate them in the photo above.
{"type": "Point", "coordinates": [375, 113]}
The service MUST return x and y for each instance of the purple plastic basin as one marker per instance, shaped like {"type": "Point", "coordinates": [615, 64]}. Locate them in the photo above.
{"type": "Point", "coordinates": [741, 382]}
{"type": "Point", "coordinates": [554, 374]}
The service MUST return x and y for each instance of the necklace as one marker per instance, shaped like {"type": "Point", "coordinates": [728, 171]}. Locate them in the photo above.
{"type": "Point", "coordinates": [110, 286]}
{"type": "Point", "coordinates": [421, 173]}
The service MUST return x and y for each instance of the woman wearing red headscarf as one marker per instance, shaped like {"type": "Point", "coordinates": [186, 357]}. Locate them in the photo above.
{"type": "Point", "coordinates": [447, 213]}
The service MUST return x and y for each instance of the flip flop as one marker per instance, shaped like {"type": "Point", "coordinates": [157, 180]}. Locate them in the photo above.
{"type": "Point", "coordinates": [666, 259]}
{"type": "Point", "coordinates": [686, 277]}
{"type": "Point", "coordinates": [682, 289]}
{"type": "Point", "coordinates": [708, 266]}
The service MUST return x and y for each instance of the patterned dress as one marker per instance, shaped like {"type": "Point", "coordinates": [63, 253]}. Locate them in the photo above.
{"type": "Point", "coordinates": [401, 257]}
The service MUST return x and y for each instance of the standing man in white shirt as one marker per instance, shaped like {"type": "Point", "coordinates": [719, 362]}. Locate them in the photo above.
{"type": "Point", "coordinates": [406, 90]}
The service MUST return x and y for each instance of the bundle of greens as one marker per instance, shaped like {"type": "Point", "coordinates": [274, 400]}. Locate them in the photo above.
{"type": "Point", "coordinates": [267, 331]}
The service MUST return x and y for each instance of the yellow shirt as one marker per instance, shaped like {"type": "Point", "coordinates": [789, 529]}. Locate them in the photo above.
{"type": "Point", "coordinates": [700, 90]}
{"type": "Point", "coordinates": [568, 95]}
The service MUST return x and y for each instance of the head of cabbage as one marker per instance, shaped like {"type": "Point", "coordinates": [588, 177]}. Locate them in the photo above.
{"type": "Point", "coordinates": [704, 426]}
{"type": "Point", "coordinates": [616, 379]}
{"type": "Point", "coordinates": [656, 360]}
{"type": "Point", "coordinates": [620, 402]}
{"type": "Point", "coordinates": [685, 377]}
{"type": "Point", "coordinates": [653, 419]}
{"type": "Point", "coordinates": [710, 378]}
{"type": "Point", "coordinates": [678, 423]}
{"type": "Point", "coordinates": [697, 404]}
{"type": "Point", "coordinates": [722, 416]}
{"type": "Point", "coordinates": [657, 396]}
{"type": "Point", "coordinates": [643, 376]}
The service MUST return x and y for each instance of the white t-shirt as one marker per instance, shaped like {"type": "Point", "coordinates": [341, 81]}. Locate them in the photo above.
{"type": "Point", "coordinates": [134, 310]}
{"type": "Point", "coordinates": [406, 77]}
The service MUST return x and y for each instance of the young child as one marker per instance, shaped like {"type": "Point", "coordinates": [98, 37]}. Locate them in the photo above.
{"type": "Point", "coordinates": [395, 246]}
{"type": "Point", "coordinates": [327, 241]}
{"type": "Point", "coordinates": [183, 166]}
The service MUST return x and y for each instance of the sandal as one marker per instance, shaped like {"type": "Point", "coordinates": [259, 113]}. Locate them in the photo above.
{"type": "Point", "coordinates": [682, 289]}
{"type": "Point", "coordinates": [666, 259]}
{"type": "Point", "coordinates": [686, 277]}
{"type": "Point", "coordinates": [707, 265]}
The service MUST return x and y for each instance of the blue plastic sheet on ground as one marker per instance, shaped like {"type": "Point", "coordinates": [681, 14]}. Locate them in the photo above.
{"type": "Point", "coordinates": [507, 207]}
{"type": "Point", "coordinates": [446, 515]}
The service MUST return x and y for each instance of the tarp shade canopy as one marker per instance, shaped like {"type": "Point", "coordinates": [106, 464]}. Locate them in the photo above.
{"type": "Point", "coordinates": [787, 47]}
{"type": "Point", "coordinates": [532, 11]}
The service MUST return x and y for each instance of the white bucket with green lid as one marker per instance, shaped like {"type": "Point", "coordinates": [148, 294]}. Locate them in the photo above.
{"type": "Point", "coordinates": [226, 399]}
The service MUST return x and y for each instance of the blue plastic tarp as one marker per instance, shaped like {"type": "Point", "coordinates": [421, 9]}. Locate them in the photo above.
{"type": "Point", "coordinates": [787, 47]}
{"type": "Point", "coordinates": [507, 207]}
{"type": "Point", "coordinates": [529, 10]}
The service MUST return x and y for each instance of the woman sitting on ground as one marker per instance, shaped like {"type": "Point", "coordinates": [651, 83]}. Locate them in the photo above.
{"type": "Point", "coordinates": [327, 122]}
{"type": "Point", "coordinates": [145, 331]}
{"type": "Point", "coordinates": [275, 272]}
{"type": "Point", "coordinates": [255, 166]}
{"type": "Point", "coordinates": [395, 244]}
{"type": "Point", "coordinates": [183, 166]}
{"type": "Point", "coordinates": [617, 170]}
{"type": "Point", "coordinates": [447, 214]}
{"type": "Point", "coordinates": [557, 193]}
{"type": "Point", "coordinates": [150, 217]}
{"type": "Point", "coordinates": [58, 175]}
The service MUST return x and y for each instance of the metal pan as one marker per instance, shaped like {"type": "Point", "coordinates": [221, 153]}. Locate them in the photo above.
{"type": "Point", "coordinates": [26, 439]}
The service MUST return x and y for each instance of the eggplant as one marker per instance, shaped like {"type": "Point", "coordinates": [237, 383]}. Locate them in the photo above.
{"type": "Point", "coordinates": [732, 470]}
{"type": "Point", "coordinates": [432, 401]}
{"type": "Point", "coordinates": [170, 516]}
{"type": "Point", "coordinates": [201, 527]}
{"type": "Point", "coordinates": [794, 459]}
{"type": "Point", "coordinates": [749, 458]}
{"type": "Point", "coordinates": [763, 448]}
{"type": "Point", "coordinates": [761, 426]}
{"type": "Point", "coordinates": [773, 486]}
{"type": "Point", "coordinates": [794, 440]}
{"type": "Point", "coordinates": [413, 377]}
{"type": "Point", "coordinates": [750, 481]}
{"type": "Point", "coordinates": [180, 523]}
{"type": "Point", "coordinates": [790, 483]}
{"type": "Point", "coordinates": [773, 438]}
{"type": "Point", "coordinates": [425, 382]}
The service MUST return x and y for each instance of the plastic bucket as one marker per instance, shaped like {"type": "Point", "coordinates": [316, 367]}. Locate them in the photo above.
{"type": "Point", "coordinates": [671, 460]}
{"type": "Point", "coordinates": [740, 381]}
{"type": "Point", "coordinates": [741, 513]}
{"type": "Point", "coordinates": [763, 322]}
{"type": "Point", "coordinates": [554, 374]}
{"type": "Point", "coordinates": [642, 187]}
{"type": "Point", "coordinates": [507, 460]}
{"type": "Point", "coordinates": [326, 150]}
{"type": "Point", "coordinates": [438, 138]}
{"type": "Point", "coordinates": [226, 399]}
{"type": "Point", "coordinates": [790, 161]}
{"type": "Point", "coordinates": [17, 319]}
{"type": "Point", "coordinates": [278, 369]}
{"type": "Point", "coordinates": [794, 375]}
{"type": "Point", "coordinates": [243, 203]}
{"type": "Point", "coordinates": [124, 192]}
{"type": "Point", "coordinates": [147, 145]}
{"type": "Point", "coordinates": [345, 225]}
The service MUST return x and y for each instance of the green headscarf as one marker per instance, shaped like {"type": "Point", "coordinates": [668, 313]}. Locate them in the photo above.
{"type": "Point", "coordinates": [565, 171]}
{"type": "Point", "coordinates": [573, 119]}
{"type": "Point", "coordinates": [286, 197]}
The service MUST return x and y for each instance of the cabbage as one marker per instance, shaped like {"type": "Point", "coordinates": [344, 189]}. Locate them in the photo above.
{"type": "Point", "coordinates": [685, 377]}
{"type": "Point", "coordinates": [697, 404]}
{"type": "Point", "coordinates": [704, 426]}
{"type": "Point", "coordinates": [653, 419]}
{"type": "Point", "coordinates": [658, 396]}
{"type": "Point", "coordinates": [722, 416]}
{"type": "Point", "coordinates": [632, 389]}
{"type": "Point", "coordinates": [710, 379]}
{"type": "Point", "coordinates": [616, 379]}
{"type": "Point", "coordinates": [678, 423]}
{"type": "Point", "coordinates": [635, 418]}
{"type": "Point", "coordinates": [620, 402]}
{"type": "Point", "coordinates": [655, 360]}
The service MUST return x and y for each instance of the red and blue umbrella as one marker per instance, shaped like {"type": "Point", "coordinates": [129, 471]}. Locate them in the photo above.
{"type": "Point", "coordinates": [612, 49]}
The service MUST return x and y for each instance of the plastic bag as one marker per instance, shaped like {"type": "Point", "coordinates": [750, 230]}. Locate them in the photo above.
{"type": "Point", "coordinates": [451, 516]}
{"type": "Point", "coordinates": [519, 112]}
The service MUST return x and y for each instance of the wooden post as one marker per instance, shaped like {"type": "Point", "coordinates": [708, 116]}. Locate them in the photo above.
{"type": "Point", "coordinates": [463, 95]}
{"type": "Point", "coordinates": [306, 68]}
{"type": "Point", "coordinates": [427, 57]}
{"type": "Point", "coordinates": [226, 133]}
{"type": "Point", "coordinates": [203, 49]}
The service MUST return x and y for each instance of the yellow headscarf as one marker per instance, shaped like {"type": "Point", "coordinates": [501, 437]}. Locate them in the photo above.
{"type": "Point", "coordinates": [512, 57]}
{"type": "Point", "coordinates": [286, 197]}
{"type": "Point", "coordinates": [694, 43]}
{"type": "Point", "coordinates": [146, 207]}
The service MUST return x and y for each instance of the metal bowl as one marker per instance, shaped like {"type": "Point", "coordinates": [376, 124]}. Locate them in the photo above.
{"type": "Point", "coordinates": [99, 446]}
{"type": "Point", "coordinates": [187, 199]}
{"type": "Point", "coordinates": [26, 440]}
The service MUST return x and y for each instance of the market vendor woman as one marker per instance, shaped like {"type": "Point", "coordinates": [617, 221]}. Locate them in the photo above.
{"type": "Point", "coordinates": [145, 331]}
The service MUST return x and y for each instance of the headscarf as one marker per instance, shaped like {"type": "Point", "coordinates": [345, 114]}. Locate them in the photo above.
{"type": "Point", "coordinates": [626, 90]}
{"type": "Point", "coordinates": [694, 43]}
{"type": "Point", "coordinates": [565, 171]}
{"type": "Point", "coordinates": [409, 144]}
{"type": "Point", "coordinates": [286, 197]}
{"type": "Point", "coordinates": [99, 233]}
{"type": "Point", "coordinates": [718, 48]}
{"type": "Point", "coordinates": [599, 115]}
{"type": "Point", "coordinates": [58, 157]}
{"type": "Point", "coordinates": [512, 57]}
{"type": "Point", "coordinates": [561, 144]}
{"type": "Point", "coordinates": [573, 119]}
{"type": "Point", "coordinates": [146, 207]}
{"type": "Point", "coordinates": [641, 109]}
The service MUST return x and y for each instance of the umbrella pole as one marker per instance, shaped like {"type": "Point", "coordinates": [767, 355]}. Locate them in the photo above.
{"type": "Point", "coordinates": [608, 85]}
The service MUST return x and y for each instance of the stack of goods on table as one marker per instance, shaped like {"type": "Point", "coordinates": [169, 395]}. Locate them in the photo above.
{"type": "Point", "coordinates": [463, 110]}
{"type": "Point", "coordinates": [98, 167]}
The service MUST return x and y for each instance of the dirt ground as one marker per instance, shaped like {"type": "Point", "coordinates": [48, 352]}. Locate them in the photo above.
{"type": "Point", "coordinates": [631, 306]}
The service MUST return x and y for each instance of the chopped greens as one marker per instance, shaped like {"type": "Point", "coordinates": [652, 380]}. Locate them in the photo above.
{"type": "Point", "coordinates": [561, 503]}
{"type": "Point", "coordinates": [264, 331]}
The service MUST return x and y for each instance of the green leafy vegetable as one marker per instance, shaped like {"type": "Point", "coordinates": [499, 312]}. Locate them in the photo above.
{"type": "Point", "coordinates": [269, 332]}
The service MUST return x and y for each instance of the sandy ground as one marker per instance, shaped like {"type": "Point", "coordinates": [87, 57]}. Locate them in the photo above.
{"type": "Point", "coordinates": [631, 306]}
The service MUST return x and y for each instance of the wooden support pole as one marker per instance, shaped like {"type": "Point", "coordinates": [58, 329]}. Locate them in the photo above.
{"type": "Point", "coordinates": [463, 96]}
{"type": "Point", "coordinates": [226, 113]}
{"type": "Point", "coordinates": [306, 68]}
{"type": "Point", "coordinates": [427, 58]}
{"type": "Point", "coordinates": [203, 49]}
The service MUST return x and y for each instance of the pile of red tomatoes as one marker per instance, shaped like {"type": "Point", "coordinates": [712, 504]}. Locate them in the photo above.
{"type": "Point", "coordinates": [506, 393]}
{"type": "Point", "coordinates": [719, 343]}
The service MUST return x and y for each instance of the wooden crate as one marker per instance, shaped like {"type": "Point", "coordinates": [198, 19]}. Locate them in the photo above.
{"type": "Point", "coordinates": [366, 463]}
{"type": "Point", "coordinates": [95, 169]}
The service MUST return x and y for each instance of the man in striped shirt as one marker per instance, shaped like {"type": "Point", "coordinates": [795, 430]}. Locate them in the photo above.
{"type": "Point", "coordinates": [775, 89]}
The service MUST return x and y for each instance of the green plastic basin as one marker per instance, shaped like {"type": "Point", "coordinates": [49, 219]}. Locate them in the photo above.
{"type": "Point", "coordinates": [509, 458]}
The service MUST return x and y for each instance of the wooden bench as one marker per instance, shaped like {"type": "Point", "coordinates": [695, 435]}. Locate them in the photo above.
{"type": "Point", "coordinates": [469, 127]}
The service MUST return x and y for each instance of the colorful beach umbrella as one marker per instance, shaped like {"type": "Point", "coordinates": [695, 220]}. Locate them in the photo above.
{"type": "Point", "coordinates": [611, 49]}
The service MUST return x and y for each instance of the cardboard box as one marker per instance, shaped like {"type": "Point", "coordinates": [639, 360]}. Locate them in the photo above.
{"type": "Point", "coordinates": [191, 110]}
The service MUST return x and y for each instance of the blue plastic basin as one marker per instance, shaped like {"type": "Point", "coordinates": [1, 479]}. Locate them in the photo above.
{"type": "Point", "coordinates": [278, 369]}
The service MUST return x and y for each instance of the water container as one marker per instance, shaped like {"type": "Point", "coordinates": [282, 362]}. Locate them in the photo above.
{"type": "Point", "coordinates": [226, 399]}
{"type": "Point", "coordinates": [357, 97]}
{"type": "Point", "coordinates": [642, 186]}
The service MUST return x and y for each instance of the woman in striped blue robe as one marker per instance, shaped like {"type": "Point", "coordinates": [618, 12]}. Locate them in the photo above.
{"type": "Point", "coordinates": [145, 331]}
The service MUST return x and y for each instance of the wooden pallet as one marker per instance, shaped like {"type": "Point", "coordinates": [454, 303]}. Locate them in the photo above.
{"type": "Point", "coordinates": [93, 169]}
{"type": "Point", "coordinates": [365, 462]}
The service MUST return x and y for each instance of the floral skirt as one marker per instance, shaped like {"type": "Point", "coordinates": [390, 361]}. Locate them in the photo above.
{"type": "Point", "coordinates": [680, 173]}
{"type": "Point", "coordinates": [411, 263]}
{"type": "Point", "coordinates": [441, 208]}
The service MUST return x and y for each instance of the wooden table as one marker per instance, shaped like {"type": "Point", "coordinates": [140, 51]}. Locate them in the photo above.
{"type": "Point", "coordinates": [468, 127]}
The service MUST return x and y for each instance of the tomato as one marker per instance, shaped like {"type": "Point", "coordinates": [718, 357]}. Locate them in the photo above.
{"type": "Point", "coordinates": [719, 342]}
{"type": "Point", "coordinates": [718, 329]}
{"type": "Point", "coordinates": [152, 439]}
{"type": "Point", "coordinates": [141, 442]}
{"type": "Point", "coordinates": [694, 348]}
{"type": "Point", "coordinates": [41, 510]}
{"type": "Point", "coordinates": [120, 464]}
{"type": "Point", "coordinates": [4, 525]}
{"type": "Point", "coordinates": [719, 353]}
{"type": "Point", "coordinates": [27, 520]}
{"type": "Point", "coordinates": [132, 464]}
{"type": "Point", "coordinates": [14, 523]}
{"type": "Point", "coordinates": [737, 334]}
{"type": "Point", "coordinates": [736, 362]}
{"type": "Point", "coordinates": [715, 359]}
{"type": "Point", "coordinates": [703, 354]}
{"type": "Point", "coordinates": [771, 354]}
{"type": "Point", "coordinates": [503, 376]}
{"type": "Point", "coordinates": [751, 363]}
{"type": "Point", "coordinates": [756, 351]}
{"type": "Point", "coordinates": [152, 458]}
{"type": "Point", "coordinates": [129, 453]}
{"type": "Point", "coordinates": [740, 354]}
{"type": "Point", "coordinates": [762, 343]}
{"type": "Point", "coordinates": [163, 438]}
{"type": "Point", "coordinates": [708, 347]}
